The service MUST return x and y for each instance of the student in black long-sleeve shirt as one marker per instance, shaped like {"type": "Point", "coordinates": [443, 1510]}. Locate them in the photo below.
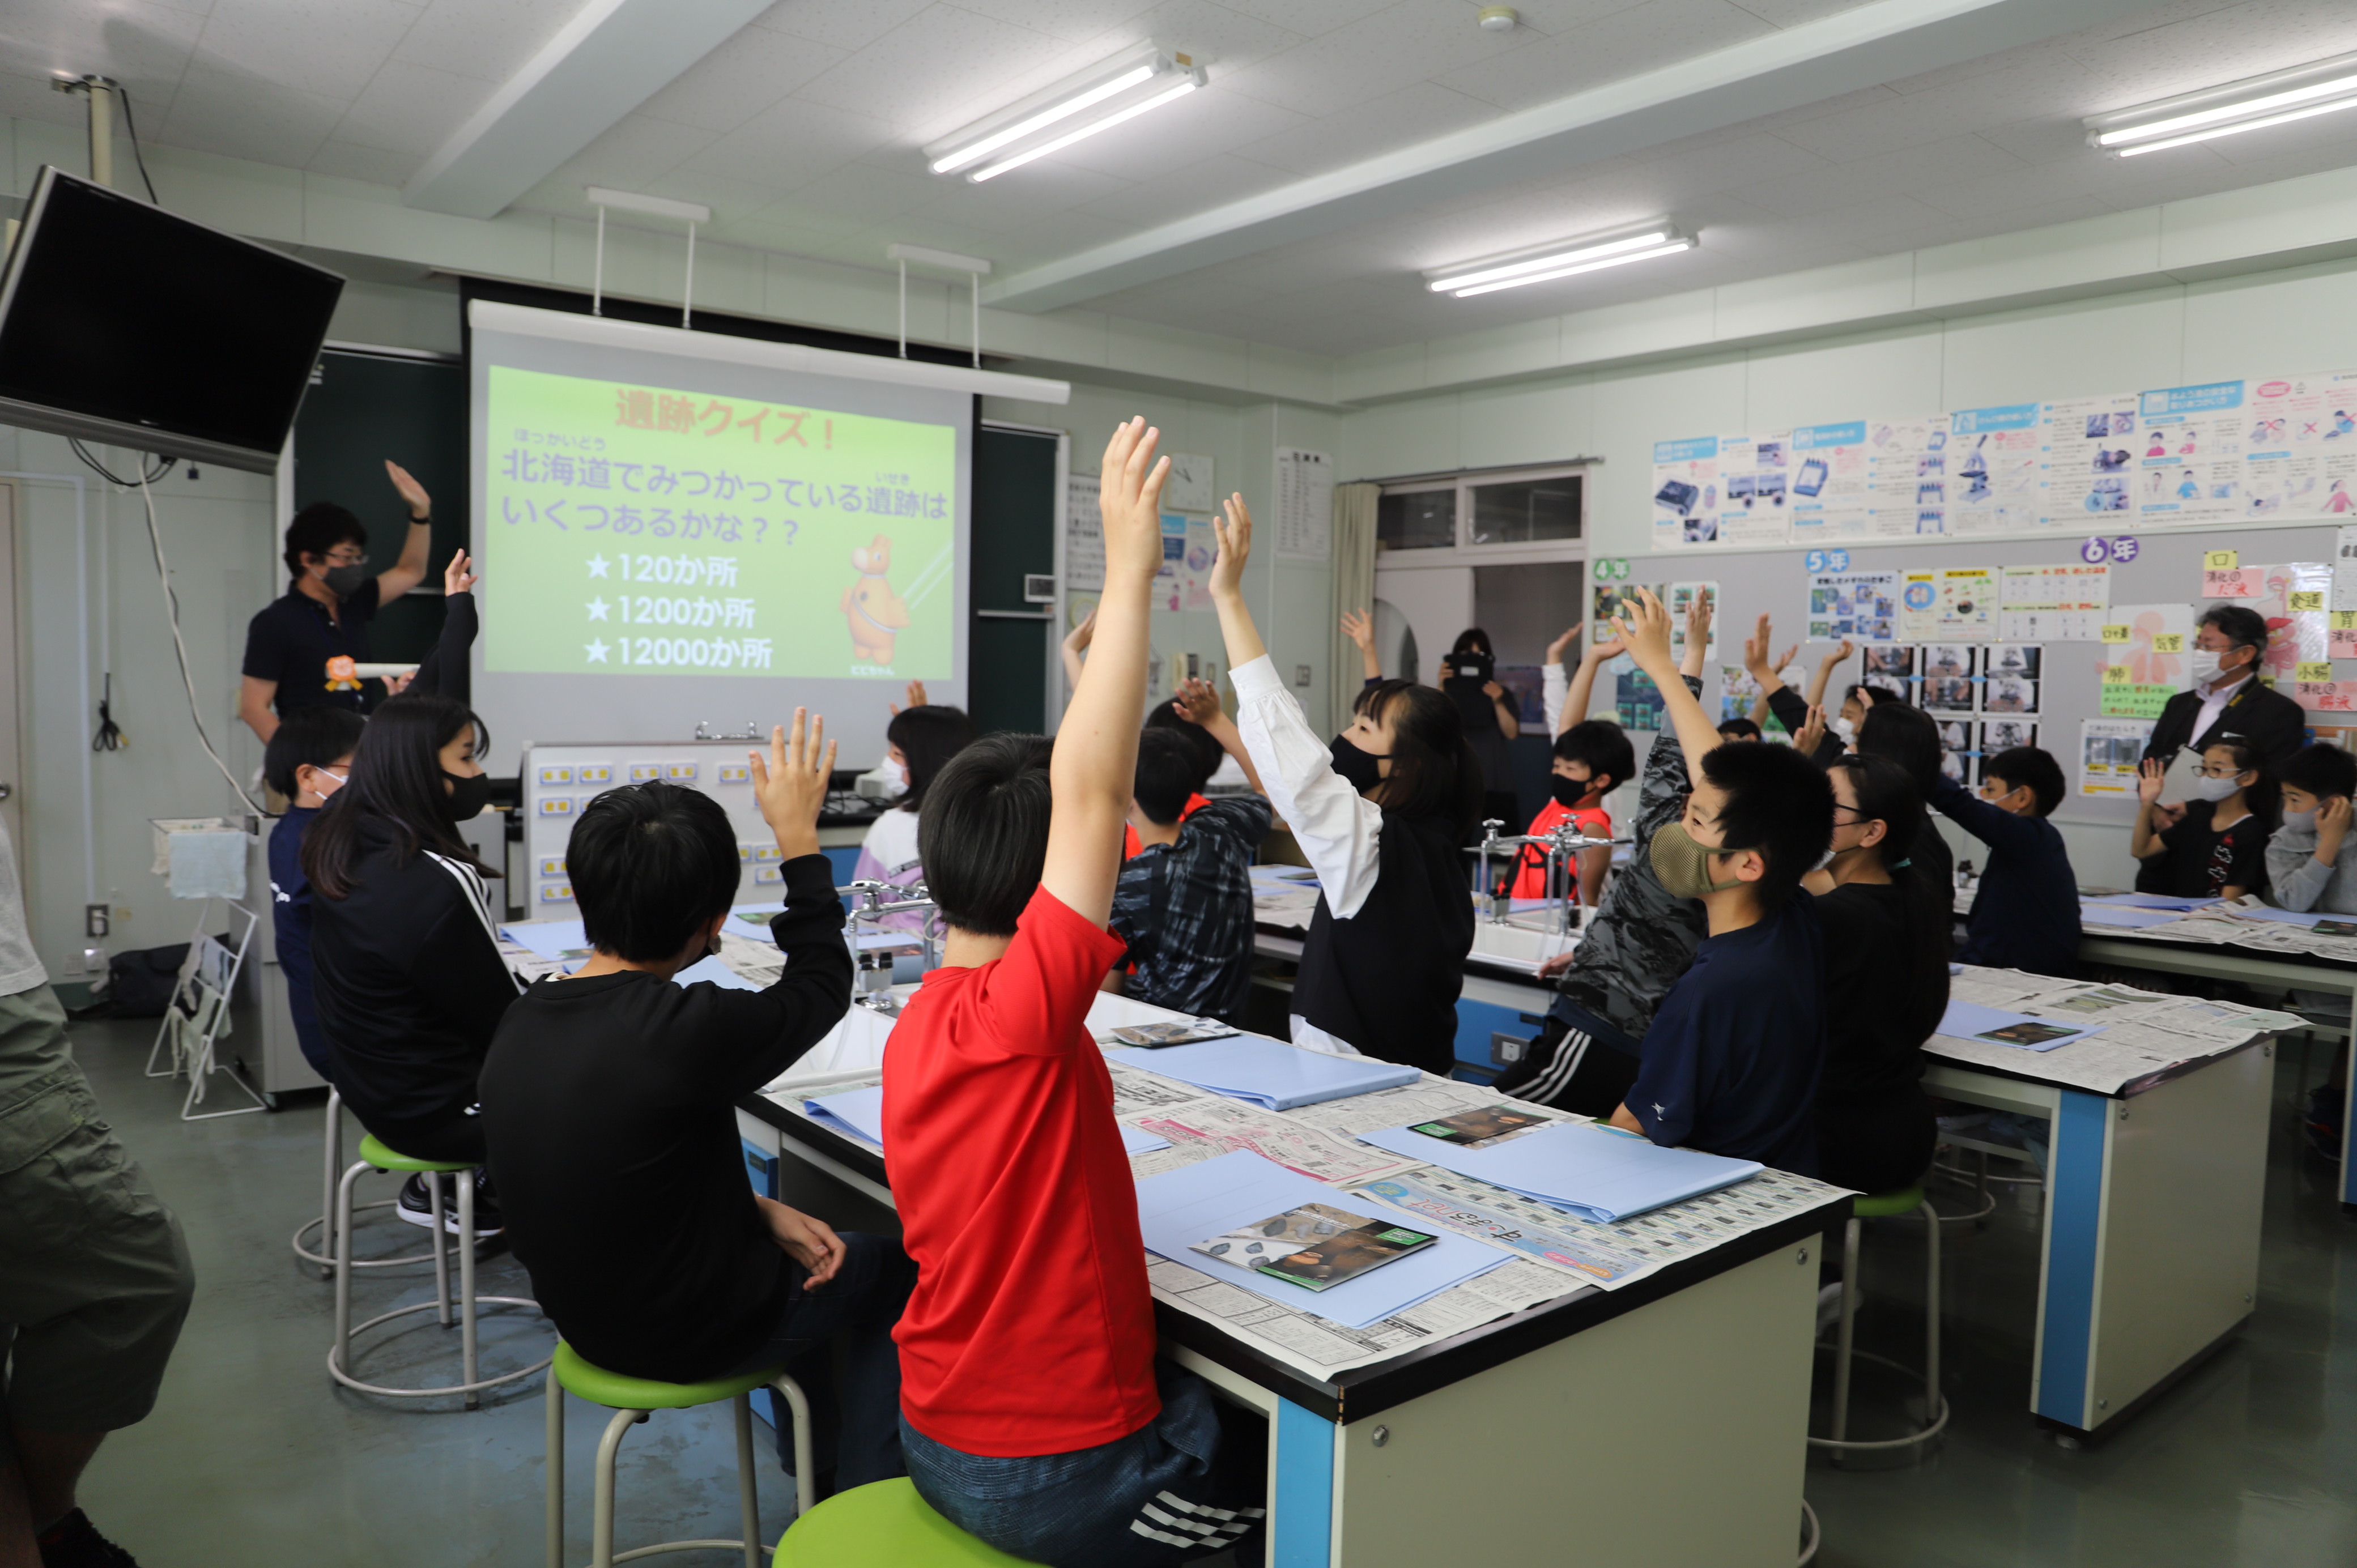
{"type": "Point", "coordinates": [609, 1106]}
{"type": "Point", "coordinates": [2026, 915]}
{"type": "Point", "coordinates": [407, 975]}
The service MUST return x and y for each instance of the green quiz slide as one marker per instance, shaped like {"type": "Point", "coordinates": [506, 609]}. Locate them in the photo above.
{"type": "Point", "coordinates": [637, 529]}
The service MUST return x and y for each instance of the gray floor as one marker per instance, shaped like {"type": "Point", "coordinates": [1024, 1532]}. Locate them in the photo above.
{"type": "Point", "coordinates": [254, 1458]}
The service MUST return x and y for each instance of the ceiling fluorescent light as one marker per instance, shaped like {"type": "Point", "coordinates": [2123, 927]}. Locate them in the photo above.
{"type": "Point", "coordinates": [1561, 260]}
{"type": "Point", "coordinates": [2275, 99]}
{"type": "Point", "coordinates": [1104, 95]}
{"type": "Point", "coordinates": [653, 206]}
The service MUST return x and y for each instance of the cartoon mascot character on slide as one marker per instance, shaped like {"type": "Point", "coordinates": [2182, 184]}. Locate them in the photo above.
{"type": "Point", "coordinates": [874, 610]}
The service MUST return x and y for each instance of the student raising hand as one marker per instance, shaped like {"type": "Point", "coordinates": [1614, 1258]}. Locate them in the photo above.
{"type": "Point", "coordinates": [790, 786]}
{"type": "Point", "coordinates": [1233, 529]}
{"type": "Point", "coordinates": [914, 696]}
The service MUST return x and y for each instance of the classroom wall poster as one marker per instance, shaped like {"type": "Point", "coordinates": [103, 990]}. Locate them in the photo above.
{"type": "Point", "coordinates": [2087, 460]}
{"type": "Point", "coordinates": [1754, 507]}
{"type": "Point", "coordinates": [1610, 599]}
{"type": "Point", "coordinates": [1909, 477]}
{"type": "Point", "coordinates": [2109, 751]}
{"type": "Point", "coordinates": [1170, 578]}
{"type": "Point", "coordinates": [2344, 569]}
{"type": "Point", "coordinates": [2292, 600]}
{"type": "Point", "coordinates": [1083, 535]}
{"type": "Point", "coordinates": [1685, 492]}
{"type": "Point", "coordinates": [1861, 606]}
{"type": "Point", "coordinates": [1637, 701]}
{"type": "Point", "coordinates": [1305, 504]}
{"type": "Point", "coordinates": [2300, 450]}
{"type": "Point", "coordinates": [2055, 602]}
{"type": "Point", "coordinates": [1994, 463]}
{"type": "Point", "coordinates": [2189, 447]}
{"type": "Point", "coordinates": [2146, 659]}
{"type": "Point", "coordinates": [1195, 575]}
{"type": "Point", "coordinates": [1948, 604]}
{"type": "Point", "coordinates": [1829, 485]}
{"type": "Point", "coordinates": [1680, 600]}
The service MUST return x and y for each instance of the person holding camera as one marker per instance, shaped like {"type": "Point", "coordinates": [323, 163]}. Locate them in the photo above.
{"type": "Point", "coordinates": [1469, 676]}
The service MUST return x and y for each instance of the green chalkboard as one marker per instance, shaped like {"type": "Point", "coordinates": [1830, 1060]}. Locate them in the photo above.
{"type": "Point", "coordinates": [1015, 474]}
{"type": "Point", "coordinates": [362, 409]}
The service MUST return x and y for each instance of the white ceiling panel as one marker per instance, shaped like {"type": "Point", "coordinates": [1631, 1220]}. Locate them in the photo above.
{"type": "Point", "coordinates": [803, 131]}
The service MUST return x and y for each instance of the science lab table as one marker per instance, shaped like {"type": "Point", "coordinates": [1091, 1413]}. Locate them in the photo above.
{"type": "Point", "coordinates": [2265, 971]}
{"type": "Point", "coordinates": [1581, 1424]}
{"type": "Point", "coordinates": [2149, 1256]}
{"type": "Point", "coordinates": [2139, 1181]}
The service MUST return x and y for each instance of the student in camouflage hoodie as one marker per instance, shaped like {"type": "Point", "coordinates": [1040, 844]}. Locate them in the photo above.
{"type": "Point", "coordinates": [1636, 943]}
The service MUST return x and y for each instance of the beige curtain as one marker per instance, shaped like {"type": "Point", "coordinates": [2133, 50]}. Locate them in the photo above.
{"type": "Point", "coordinates": [1354, 589]}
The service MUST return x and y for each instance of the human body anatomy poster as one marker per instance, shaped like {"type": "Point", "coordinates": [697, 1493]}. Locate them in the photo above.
{"type": "Point", "coordinates": [2148, 658]}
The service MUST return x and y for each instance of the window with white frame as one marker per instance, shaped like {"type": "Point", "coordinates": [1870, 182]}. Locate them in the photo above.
{"type": "Point", "coordinates": [1534, 513]}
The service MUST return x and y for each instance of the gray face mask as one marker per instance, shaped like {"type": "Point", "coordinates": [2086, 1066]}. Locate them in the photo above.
{"type": "Point", "coordinates": [2303, 820]}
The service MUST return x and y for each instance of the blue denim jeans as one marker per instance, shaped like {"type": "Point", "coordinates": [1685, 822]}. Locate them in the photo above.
{"type": "Point", "coordinates": [1171, 1490]}
{"type": "Point", "coordinates": [837, 1342]}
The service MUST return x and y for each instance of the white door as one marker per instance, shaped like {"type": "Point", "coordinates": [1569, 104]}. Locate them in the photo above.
{"type": "Point", "coordinates": [1434, 602]}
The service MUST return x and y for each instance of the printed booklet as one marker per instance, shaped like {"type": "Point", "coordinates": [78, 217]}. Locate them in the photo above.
{"type": "Point", "coordinates": [1315, 1246]}
{"type": "Point", "coordinates": [1481, 1129]}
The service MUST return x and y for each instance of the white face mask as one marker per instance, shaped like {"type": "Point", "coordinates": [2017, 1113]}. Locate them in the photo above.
{"type": "Point", "coordinates": [2205, 666]}
{"type": "Point", "coordinates": [2208, 788]}
{"type": "Point", "coordinates": [2303, 820]}
{"type": "Point", "coordinates": [1844, 729]}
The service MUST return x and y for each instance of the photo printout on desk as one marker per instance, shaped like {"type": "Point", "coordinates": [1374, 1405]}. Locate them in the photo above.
{"type": "Point", "coordinates": [666, 519]}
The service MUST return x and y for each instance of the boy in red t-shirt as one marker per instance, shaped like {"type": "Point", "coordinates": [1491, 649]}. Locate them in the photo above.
{"type": "Point", "coordinates": [1590, 758]}
{"type": "Point", "coordinates": [1033, 1414]}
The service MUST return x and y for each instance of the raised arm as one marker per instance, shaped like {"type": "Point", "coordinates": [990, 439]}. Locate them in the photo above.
{"type": "Point", "coordinates": [1075, 642]}
{"type": "Point", "coordinates": [1698, 611]}
{"type": "Point", "coordinates": [1198, 703]}
{"type": "Point", "coordinates": [410, 570]}
{"type": "Point", "coordinates": [2144, 840]}
{"type": "Point", "coordinates": [1644, 626]}
{"type": "Point", "coordinates": [1094, 766]}
{"type": "Point", "coordinates": [1359, 626]}
{"type": "Point", "coordinates": [1583, 685]}
{"type": "Point", "coordinates": [1825, 668]}
{"type": "Point", "coordinates": [1340, 830]}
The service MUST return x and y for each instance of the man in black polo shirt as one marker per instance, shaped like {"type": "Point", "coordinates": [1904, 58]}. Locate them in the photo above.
{"type": "Point", "coordinates": [300, 648]}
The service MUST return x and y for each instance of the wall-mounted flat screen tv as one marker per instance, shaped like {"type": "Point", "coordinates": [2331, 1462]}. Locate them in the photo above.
{"type": "Point", "coordinates": [125, 324]}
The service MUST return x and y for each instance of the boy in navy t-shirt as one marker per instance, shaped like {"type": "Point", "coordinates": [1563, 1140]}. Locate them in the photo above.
{"type": "Point", "coordinates": [306, 761]}
{"type": "Point", "coordinates": [1729, 1066]}
{"type": "Point", "coordinates": [2026, 912]}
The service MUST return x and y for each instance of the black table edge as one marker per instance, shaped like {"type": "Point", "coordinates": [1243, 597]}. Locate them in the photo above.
{"type": "Point", "coordinates": [1364, 1392]}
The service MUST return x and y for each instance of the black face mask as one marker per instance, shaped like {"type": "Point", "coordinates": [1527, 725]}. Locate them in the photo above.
{"type": "Point", "coordinates": [1569, 793]}
{"type": "Point", "coordinates": [468, 797]}
{"type": "Point", "coordinates": [1362, 771]}
{"type": "Point", "coordinates": [345, 581]}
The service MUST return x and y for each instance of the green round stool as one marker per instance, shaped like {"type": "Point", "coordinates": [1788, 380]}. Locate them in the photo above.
{"type": "Point", "coordinates": [632, 1400]}
{"type": "Point", "coordinates": [375, 1155]}
{"type": "Point", "coordinates": [1887, 1206]}
{"type": "Point", "coordinates": [884, 1523]}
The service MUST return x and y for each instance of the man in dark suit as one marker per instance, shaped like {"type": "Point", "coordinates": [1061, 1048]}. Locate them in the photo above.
{"type": "Point", "coordinates": [2226, 698]}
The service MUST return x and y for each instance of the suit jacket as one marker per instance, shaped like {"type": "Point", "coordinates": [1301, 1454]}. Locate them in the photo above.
{"type": "Point", "coordinates": [2260, 714]}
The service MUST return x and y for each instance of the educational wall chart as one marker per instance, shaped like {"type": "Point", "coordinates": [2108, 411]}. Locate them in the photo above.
{"type": "Point", "coordinates": [2054, 602]}
{"type": "Point", "coordinates": [2109, 752]}
{"type": "Point", "coordinates": [1831, 478]}
{"type": "Point", "coordinates": [1305, 504]}
{"type": "Point", "coordinates": [1948, 604]}
{"type": "Point", "coordinates": [1680, 601]}
{"type": "Point", "coordinates": [2167, 456]}
{"type": "Point", "coordinates": [2146, 659]}
{"type": "Point", "coordinates": [1861, 606]}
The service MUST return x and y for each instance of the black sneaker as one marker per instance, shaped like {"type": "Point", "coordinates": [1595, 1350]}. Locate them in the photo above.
{"type": "Point", "coordinates": [416, 1206]}
{"type": "Point", "coordinates": [73, 1543]}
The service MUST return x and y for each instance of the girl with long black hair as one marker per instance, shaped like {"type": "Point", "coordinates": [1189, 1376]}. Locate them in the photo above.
{"type": "Point", "coordinates": [1886, 943]}
{"type": "Point", "coordinates": [408, 977]}
{"type": "Point", "coordinates": [1382, 816]}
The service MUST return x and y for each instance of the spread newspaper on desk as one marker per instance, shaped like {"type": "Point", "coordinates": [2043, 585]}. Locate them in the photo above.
{"type": "Point", "coordinates": [1555, 1254]}
{"type": "Point", "coordinates": [2144, 1033]}
{"type": "Point", "coordinates": [2249, 923]}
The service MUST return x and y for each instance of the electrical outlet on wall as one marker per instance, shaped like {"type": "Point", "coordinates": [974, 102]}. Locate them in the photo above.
{"type": "Point", "coordinates": [1301, 674]}
{"type": "Point", "coordinates": [93, 960]}
{"type": "Point", "coordinates": [95, 920]}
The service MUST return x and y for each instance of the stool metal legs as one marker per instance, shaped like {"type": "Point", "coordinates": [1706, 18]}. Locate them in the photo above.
{"type": "Point", "coordinates": [748, 1508]}
{"type": "Point", "coordinates": [1936, 1407]}
{"type": "Point", "coordinates": [329, 1166]}
{"type": "Point", "coordinates": [339, 1353]}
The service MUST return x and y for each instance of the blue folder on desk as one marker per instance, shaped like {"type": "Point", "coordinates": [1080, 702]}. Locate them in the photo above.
{"type": "Point", "coordinates": [2148, 901]}
{"type": "Point", "coordinates": [1575, 1167]}
{"type": "Point", "coordinates": [1269, 1072]}
{"type": "Point", "coordinates": [860, 1112]}
{"type": "Point", "coordinates": [2128, 916]}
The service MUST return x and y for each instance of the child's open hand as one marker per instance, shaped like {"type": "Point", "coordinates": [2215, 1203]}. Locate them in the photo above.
{"type": "Point", "coordinates": [1755, 651]}
{"type": "Point", "coordinates": [2149, 773]}
{"type": "Point", "coordinates": [1698, 619]}
{"type": "Point", "coordinates": [1129, 500]}
{"type": "Point", "coordinates": [2332, 818]}
{"type": "Point", "coordinates": [1198, 702]}
{"type": "Point", "coordinates": [1077, 640]}
{"type": "Point", "coordinates": [1561, 645]}
{"type": "Point", "coordinates": [1234, 530]}
{"type": "Point", "coordinates": [1842, 651]}
{"type": "Point", "coordinates": [1359, 627]}
{"type": "Point", "coordinates": [1813, 733]}
{"type": "Point", "coordinates": [456, 577]}
{"type": "Point", "coordinates": [1643, 624]}
{"type": "Point", "coordinates": [790, 783]}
